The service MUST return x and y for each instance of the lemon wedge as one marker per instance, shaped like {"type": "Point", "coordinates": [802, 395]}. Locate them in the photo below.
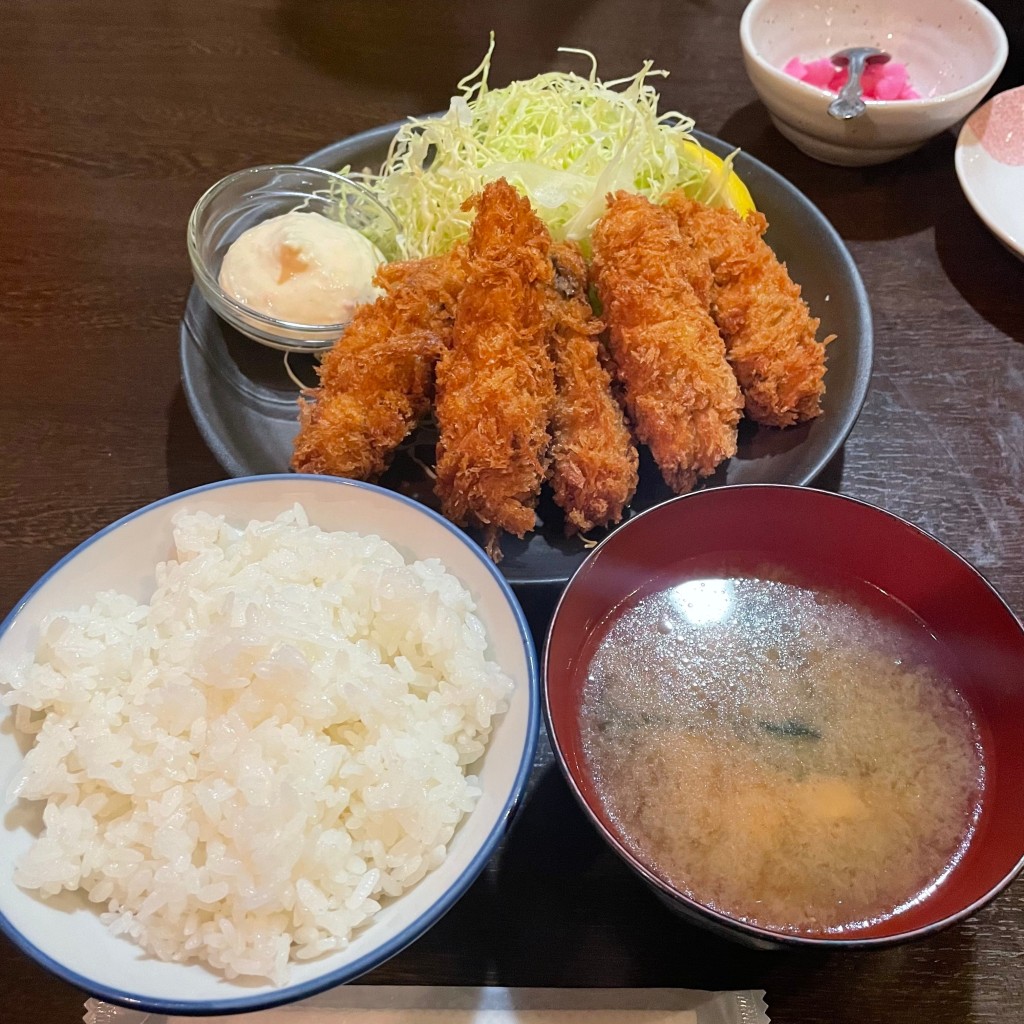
{"type": "Point", "coordinates": [733, 193]}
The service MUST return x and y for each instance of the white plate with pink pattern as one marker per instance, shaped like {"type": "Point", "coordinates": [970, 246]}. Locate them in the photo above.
{"type": "Point", "coordinates": [990, 165]}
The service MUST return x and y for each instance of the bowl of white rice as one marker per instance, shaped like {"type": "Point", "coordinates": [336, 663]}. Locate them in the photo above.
{"type": "Point", "coordinates": [255, 739]}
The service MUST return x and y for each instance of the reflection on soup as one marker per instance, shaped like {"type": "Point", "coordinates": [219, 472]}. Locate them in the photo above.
{"type": "Point", "coordinates": [781, 753]}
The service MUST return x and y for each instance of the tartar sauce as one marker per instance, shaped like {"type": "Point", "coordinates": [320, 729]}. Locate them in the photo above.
{"type": "Point", "coordinates": [301, 267]}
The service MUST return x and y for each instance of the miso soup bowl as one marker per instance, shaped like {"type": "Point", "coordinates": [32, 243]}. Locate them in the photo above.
{"type": "Point", "coordinates": [832, 540]}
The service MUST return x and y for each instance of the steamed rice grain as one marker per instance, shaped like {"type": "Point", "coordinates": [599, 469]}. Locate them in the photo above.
{"type": "Point", "coordinates": [241, 771]}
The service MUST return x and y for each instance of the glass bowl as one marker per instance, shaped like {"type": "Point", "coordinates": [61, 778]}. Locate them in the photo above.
{"type": "Point", "coordinates": [243, 199]}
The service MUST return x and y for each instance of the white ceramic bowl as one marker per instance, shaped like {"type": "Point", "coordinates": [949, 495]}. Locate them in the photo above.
{"type": "Point", "coordinates": [954, 50]}
{"type": "Point", "coordinates": [67, 936]}
{"type": "Point", "coordinates": [990, 165]}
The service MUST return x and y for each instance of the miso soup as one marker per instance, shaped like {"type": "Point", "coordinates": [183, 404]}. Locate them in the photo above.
{"type": "Point", "coordinates": [785, 754]}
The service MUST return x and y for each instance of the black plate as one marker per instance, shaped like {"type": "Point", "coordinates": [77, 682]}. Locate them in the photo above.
{"type": "Point", "coordinates": [245, 405]}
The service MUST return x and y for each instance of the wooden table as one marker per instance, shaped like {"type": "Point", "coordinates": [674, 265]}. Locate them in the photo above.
{"type": "Point", "coordinates": [115, 118]}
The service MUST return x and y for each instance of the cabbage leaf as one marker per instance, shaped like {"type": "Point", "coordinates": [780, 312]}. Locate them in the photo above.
{"type": "Point", "coordinates": [563, 139]}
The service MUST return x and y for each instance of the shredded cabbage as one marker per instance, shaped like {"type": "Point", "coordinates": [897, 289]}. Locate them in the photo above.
{"type": "Point", "coordinates": [564, 140]}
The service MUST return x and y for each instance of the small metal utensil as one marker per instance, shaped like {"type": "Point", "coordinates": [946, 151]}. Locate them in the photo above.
{"type": "Point", "coordinates": [849, 102]}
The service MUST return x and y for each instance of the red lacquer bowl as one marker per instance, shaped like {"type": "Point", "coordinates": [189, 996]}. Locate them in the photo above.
{"type": "Point", "coordinates": [832, 540]}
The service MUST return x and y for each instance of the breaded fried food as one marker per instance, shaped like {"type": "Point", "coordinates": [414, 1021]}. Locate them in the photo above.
{"type": "Point", "coordinates": [495, 384]}
{"type": "Point", "coordinates": [769, 331]}
{"type": "Point", "coordinates": [680, 391]}
{"type": "Point", "coordinates": [593, 471]}
{"type": "Point", "coordinates": [377, 381]}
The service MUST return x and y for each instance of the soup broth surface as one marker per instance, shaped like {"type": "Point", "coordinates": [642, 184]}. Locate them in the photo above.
{"type": "Point", "coordinates": [782, 753]}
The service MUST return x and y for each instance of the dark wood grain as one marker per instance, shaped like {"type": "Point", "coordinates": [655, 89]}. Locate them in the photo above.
{"type": "Point", "coordinates": [117, 116]}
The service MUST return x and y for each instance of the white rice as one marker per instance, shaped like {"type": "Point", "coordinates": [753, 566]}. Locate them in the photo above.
{"type": "Point", "coordinates": [242, 770]}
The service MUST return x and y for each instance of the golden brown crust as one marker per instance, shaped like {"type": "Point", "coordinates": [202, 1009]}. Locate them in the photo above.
{"type": "Point", "coordinates": [377, 381]}
{"type": "Point", "coordinates": [495, 384]}
{"type": "Point", "coordinates": [593, 472]}
{"type": "Point", "coordinates": [680, 391]}
{"type": "Point", "coordinates": [769, 331]}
